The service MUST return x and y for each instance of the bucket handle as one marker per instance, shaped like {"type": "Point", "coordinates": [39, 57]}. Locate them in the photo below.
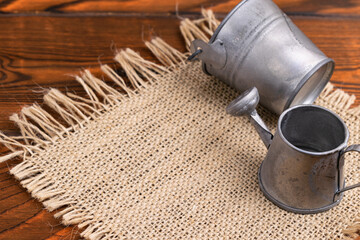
{"type": "Point", "coordinates": [355, 148]}
{"type": "Point", "coordinates": [212, 54]}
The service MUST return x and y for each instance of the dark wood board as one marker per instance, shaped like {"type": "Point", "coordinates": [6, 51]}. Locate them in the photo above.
{"type": "Point", "coordinates": [298, 7]}
{"type": "Point", "coordinates": [38, 52]}
{"type": "Point", "coordinates": [41, 52]}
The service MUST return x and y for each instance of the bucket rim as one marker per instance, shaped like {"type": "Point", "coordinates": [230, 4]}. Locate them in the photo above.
{"type": "Point", "coordinates": [307, 76]}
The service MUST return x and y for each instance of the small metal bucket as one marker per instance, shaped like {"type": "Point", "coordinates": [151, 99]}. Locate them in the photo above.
{"type": "Point", "coordinates": [258, 45]}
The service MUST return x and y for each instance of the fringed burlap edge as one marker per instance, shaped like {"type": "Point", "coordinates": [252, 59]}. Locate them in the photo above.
{"type": "Point", "coordinates": [40, 129]}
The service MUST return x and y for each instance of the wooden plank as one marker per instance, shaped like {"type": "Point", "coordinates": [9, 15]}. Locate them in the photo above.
{"type": "Point", "coordinates": [22, 217]}
{"type": "Point", "coordinates": [319, 7]}
{"type": "Point", "coordinates": [39, 52]}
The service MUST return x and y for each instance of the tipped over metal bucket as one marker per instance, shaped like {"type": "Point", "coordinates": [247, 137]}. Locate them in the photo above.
{"type": "Point", "coordinates": [257, 45]}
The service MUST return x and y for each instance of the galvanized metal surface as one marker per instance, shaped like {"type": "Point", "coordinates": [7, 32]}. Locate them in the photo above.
{"type": "Point", "coordinates": [303, 169]}
{"type": "Point", "coordinates": [258, 45]}
{"type": "Point", "coordinates": [246, 104]}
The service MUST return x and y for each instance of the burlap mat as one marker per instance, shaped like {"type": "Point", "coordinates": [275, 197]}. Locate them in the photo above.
{"type": "Point", "coordinates": [162, 160]}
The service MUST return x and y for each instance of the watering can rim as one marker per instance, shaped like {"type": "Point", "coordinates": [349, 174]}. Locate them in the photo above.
{"type": "Point", "coordinates": [338, 148]}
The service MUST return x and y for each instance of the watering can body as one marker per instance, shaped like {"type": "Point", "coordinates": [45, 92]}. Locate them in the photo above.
{"type": "Point", "coordinates": [303, 171]}
{"type": "Point", "coordinates": [298, 181]}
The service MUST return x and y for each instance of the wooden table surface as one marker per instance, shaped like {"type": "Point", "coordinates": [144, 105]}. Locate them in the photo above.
{"type": "Point", "coordinates": [43, 42]}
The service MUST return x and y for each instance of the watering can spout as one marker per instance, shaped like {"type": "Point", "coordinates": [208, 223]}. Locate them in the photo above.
{"type": "Point", "coordinates": [264, 133]}
{"type": "Point", "coordinates": [245, 104]}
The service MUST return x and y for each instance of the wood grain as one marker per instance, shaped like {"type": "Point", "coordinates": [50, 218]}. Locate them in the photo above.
{"type": "Point", "coordinates": [41, 52]}
{"type": "Point", "coordinates": [307, 7]}
{"type": "Point", "coordinates": [24, 218]}
{"type": "Point", "coordinates": [38, 52]}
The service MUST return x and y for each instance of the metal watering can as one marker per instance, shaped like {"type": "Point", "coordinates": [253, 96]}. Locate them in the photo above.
{"type": "Point", "coordinates": [258, 45]}
{"type": "Point", "coordinates": [303, 169]}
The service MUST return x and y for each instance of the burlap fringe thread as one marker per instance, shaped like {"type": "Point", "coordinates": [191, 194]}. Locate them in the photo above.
{"type": "Point", "coordinates": [40, 129]}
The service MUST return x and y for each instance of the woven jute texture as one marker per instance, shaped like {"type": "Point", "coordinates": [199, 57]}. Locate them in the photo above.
{"type": "Point", "coordinates": [163, 160]}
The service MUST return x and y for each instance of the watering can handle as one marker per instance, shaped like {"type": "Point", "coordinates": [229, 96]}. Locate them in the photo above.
{"type": "Point", "coordinates": [356, 148]}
